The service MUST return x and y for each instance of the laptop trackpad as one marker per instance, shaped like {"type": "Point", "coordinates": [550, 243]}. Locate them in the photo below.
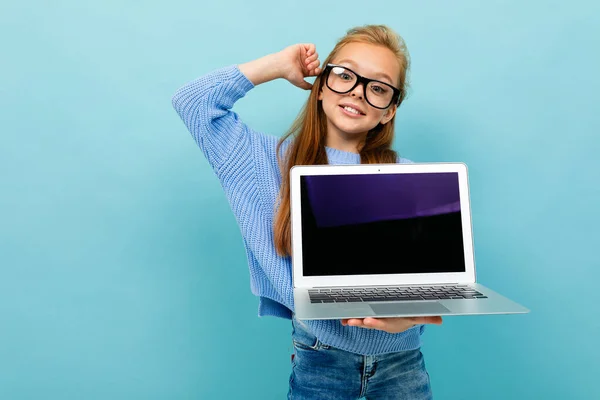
{"type": "Point", "coordinates": [409, 308]}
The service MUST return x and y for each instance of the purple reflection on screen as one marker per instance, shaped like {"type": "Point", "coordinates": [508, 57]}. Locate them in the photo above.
{"type": "Point", "coordinates": [338, 200]}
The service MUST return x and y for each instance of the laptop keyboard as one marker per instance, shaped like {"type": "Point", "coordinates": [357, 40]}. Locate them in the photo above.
{"type": "Point", "coordinates": [393, 293]}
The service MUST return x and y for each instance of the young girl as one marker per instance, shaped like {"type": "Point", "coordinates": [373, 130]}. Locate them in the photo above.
{"type": "Point", "coordinates": [348, 119]}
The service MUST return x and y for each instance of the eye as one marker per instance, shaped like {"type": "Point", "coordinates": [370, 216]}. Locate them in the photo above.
{"type": "Point", "coordinates": [342, 73]}
{"type": "Point", "coordinates": [378, 89]}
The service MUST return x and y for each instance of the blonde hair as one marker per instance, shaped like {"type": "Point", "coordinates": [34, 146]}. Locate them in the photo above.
{"type": "Point", "coordinates": [310, 127]}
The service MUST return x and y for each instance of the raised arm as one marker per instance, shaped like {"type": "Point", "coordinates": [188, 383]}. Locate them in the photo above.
{"type": "Point", "coordinates": [205, 103]}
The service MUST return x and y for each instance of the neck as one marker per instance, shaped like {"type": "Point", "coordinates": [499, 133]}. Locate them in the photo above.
{"type": "Point", "coordinates": [343, 141]}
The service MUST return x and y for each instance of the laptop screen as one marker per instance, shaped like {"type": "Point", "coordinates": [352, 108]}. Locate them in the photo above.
{"type": "Point", "coordinates": [400, 223]}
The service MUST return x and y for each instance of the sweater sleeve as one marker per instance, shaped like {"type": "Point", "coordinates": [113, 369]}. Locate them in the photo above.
{"type": "Point", "coordinates": [204, 105]}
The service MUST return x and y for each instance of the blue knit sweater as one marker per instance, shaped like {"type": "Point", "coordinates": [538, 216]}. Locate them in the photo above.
{"type": "Point", "coordinates": [245, 163]}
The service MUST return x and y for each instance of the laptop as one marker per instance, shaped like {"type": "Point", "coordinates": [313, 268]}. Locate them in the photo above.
{"type": "Point", "coordinates": [385, 240]}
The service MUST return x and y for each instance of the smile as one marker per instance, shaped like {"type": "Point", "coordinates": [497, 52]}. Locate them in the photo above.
{"type": "Point", "coordinates": [351, 111]}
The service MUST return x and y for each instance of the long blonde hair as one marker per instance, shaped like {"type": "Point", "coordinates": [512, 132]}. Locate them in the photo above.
{"type": "Point", "coordinates": [310, 128]}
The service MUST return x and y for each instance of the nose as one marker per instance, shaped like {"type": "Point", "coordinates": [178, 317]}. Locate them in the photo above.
{"type": "Point", "coordinates": [358, 91]}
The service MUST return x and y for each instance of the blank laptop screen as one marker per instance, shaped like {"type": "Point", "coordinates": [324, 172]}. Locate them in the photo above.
{"type": "Point", "coordinates": [381, 224]}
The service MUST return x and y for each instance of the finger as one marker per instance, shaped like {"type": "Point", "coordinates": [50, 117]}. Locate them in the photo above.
{"type": "Point", "coordinates": [314, 72]}
{"type": "Point", "coordinates": [354, 321]}
{"type": "Point", "coordinates": [313, 65]}
{"type": "Point", "coordinates": [358, 322]}
{"type": "Point", "coordinates": [433, 320]}
{"type": "Point", "coordinates": [304, 85]}
{"type": "Point", "coordinates": [311, 58]}
{"type": "Point", "coordinates": [309, 48]}
{"type": "Point", "coordinates": [428, 320]}
{"type": "Point", "coordinates": [375, 323]}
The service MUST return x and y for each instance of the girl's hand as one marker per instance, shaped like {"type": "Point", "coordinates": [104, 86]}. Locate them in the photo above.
{"type": "Point", "coordinates": [298, 62]}
{"type": "Point", "coordinates": [391, 325]}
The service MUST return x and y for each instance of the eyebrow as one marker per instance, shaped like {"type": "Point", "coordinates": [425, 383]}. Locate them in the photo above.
{"type": "Point", "coordinates": [379, 74]}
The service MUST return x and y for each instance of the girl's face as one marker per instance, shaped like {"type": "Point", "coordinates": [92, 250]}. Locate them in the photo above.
{"type": "Point", "coordinates": [369, 61]}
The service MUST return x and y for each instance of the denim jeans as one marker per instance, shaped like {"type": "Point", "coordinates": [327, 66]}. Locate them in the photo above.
{"type": "Point", "coordinates": [321, 372]}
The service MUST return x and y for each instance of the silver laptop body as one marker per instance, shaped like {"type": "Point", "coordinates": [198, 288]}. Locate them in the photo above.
{"type": "Point", "coordinates": [386, 240]}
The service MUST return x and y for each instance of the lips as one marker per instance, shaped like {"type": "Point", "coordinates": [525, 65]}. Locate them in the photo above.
{"type": "Point", "coordinates": [354, 107]}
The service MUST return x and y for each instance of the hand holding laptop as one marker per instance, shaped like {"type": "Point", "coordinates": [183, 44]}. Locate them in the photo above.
{"type": "Point", "coordinates": [391, 325]}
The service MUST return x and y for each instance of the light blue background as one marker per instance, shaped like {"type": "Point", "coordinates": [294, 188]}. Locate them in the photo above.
{"type": "Point", "coordinates": [122, 270]}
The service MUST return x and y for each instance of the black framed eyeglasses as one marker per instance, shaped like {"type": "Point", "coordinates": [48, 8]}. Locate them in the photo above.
{"type": "Point", "coordinates": [340, 79]}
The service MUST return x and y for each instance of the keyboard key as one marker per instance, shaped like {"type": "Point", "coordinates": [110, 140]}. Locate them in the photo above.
{"type": "Point", "coordinates": [373, 299]}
